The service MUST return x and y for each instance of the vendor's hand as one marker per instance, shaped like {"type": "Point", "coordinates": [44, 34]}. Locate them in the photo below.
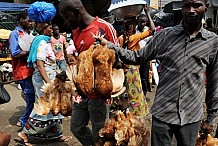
{"type": "Point", "coordinates": [206, 128]}
{"type": "Point", "coordinates": [101, 39]}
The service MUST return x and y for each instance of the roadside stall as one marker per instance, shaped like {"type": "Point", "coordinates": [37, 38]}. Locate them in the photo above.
{"type": "Point", "coordinates": [5, 58]}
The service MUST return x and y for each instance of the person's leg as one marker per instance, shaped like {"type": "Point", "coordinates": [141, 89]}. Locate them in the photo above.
{"type": "Point", "coordinates": [186, 135]}
{"type": "Point", "coordinates": [98, 115]}
{"type": "Point", "coordinates": [161, 134]}
{"type": "Point", "coordinates": [28, 91]}
{"type": "Point", "coordinates": [79, 122]}
{"type": "Point", "coordinates": [216, 135]}
{"type": "Point", "coordinates": [144, 74]}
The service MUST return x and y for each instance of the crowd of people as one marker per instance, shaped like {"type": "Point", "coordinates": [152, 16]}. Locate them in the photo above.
{"type": "Point", "coordinates": [184, 52]}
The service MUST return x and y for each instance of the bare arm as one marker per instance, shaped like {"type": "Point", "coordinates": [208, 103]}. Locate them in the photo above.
{"type": "Point", "coordinates": [152, 26]}
{"type": "Point", "coordinates": [22, 54]}
{"type": "Point", "coordinates": [40, 66]}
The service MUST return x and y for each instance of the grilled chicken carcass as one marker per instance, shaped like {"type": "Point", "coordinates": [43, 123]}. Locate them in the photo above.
{"type": "Point", "coordinates": [84, 74]}
{"type": "Point", "coordinates": [103, 59]}
{"type": "Point", "coordinates": [66, 100]}
{"type": "Point", "coordinates": [42, 106]}
{"type": "Point", "coordinates": [126, 129]}
{"type": "Point", "coordinates": [206, 140]}
{"type": "Point", "coordinates": [57, 98]}
{"type": "Point", "coordinates": [56, 102]}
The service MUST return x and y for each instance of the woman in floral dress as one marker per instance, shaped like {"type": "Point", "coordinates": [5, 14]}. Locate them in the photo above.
{"type": "Point", "coordinates": [130, 40]}
{"type": "Point", "coordinates": [42, 59]}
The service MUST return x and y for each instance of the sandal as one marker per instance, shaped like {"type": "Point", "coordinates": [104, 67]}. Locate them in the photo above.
{"type": "Point", "coordinates": [22, 139]}
{"type": "Point", "coordinates": [22, 142]}
{"type": "Point", "coordinates": [65, 138]}
{"type": "Point", "coordinates": [19, 124]}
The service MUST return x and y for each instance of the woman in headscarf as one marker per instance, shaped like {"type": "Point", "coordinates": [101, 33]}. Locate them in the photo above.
{"type": "Point", "coordinates": [42, 59]}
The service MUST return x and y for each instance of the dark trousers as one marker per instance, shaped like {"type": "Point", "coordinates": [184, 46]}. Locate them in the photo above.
{"type": "Point", "coordinates": [144, 74]}
{"type": "Point", "coordinates": [94, 110]}
{"type": "Point", "coordinates": [29, 93]}
{"type": "Point", "coordinates": [162, 133]}
{"type": "Point", "coordinates": [216, 135]}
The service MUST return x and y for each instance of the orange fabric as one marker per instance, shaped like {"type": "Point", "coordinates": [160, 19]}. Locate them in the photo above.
{"type": "Point", "coordinates": [134, 39]}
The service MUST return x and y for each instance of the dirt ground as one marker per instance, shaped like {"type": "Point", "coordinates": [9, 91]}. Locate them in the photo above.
{"type": "Point", "coordinates": [10, 113]}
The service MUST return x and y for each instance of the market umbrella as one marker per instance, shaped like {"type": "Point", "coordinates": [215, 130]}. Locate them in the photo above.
{"type": "Point", "coordinates": [173, 6]}
{"type": "Point", "coordinates": [4, 33]}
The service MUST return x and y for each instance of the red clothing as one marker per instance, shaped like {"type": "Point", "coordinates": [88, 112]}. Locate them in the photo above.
{"type": "Point", "coordinates": [20, 69]}
{"type": "Point", "coordinates": [19, 65]}
{"type": "Point", "coordinates": [83, 39]}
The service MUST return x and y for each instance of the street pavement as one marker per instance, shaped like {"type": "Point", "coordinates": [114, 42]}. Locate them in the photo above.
{"type": "Point", "coordinates": [11, 112]}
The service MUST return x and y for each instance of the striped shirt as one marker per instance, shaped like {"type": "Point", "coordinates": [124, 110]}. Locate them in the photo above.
{"type": "Point", "coordinates": [183, 59]}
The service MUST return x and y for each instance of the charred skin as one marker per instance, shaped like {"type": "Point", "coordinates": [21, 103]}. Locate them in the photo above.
{"type": "Point", "coordinates": [41, 107]}
{"type": "Point", "coordinates": [85, 76]}
{"type": "Point", "coordinates": [55, 103]}
{"type": "Point", "coordinates": [64, 104]}
{"type": "Point", "coordinates": [103, 60]}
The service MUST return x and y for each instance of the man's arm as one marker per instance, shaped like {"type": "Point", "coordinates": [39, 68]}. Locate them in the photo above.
{"type": "Point", "coordinates": [211, 92]}
{"type": "Point", "coordinates": [136, 57]}
{"type": "Point", "coordinates": [15, 50]}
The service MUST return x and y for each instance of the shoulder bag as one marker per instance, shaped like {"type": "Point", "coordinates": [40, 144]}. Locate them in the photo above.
{"type": "Point", "coordinates": [4, 95]}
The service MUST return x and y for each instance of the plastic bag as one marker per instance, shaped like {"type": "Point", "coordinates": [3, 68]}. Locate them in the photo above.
{"type": "Point", "coordinates": [41, 12]}
{"type": "Point", "coordinates": [25, 41]}
{"type": "Point", "coordinates": [4, 95]}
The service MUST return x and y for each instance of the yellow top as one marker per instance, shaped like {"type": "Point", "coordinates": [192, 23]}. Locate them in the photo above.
{"type": "Point", "coordinates": [134, 39]}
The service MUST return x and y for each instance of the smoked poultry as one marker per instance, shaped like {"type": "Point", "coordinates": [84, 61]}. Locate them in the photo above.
{"type": "Point", "coordinates": [57, 98]}
{"type": "Point", "coordinates": [84, 73]}
{"type": "Point", "coordinates": [103, 59]}
{"type": "Point", "coordinates": [125, 130]}
{"type": "Point", "coordinates": [206, 140]}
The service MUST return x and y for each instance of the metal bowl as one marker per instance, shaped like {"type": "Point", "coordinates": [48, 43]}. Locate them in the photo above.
{"type": "Point", "coordinates": [128, 11]}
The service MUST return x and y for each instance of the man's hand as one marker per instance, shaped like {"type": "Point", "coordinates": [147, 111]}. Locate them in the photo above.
{"type": "Point", "coordinates": [100, 39]}
{"type": "Point", "coordinates": [206, 128]}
